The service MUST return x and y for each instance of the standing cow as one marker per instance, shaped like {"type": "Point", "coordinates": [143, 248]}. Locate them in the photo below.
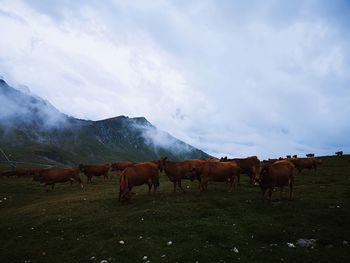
{"type": "Point", "coordinates": [277, 174]}
{"type": "Point", "coordinates": [54, 175]}
{"type": "Point", "coordinates": [177, 171]}
{"type": "Point", "coordinates": [249, 166]}
{"type": "Point", "coordinates": [138, 174]}
{"type": "Point", "coordinates": [340, 153]}
{"type": "Point", "coordinates": [95, 170]}
{"type": "Point", "coordinates": [306, 163]}
{"type": "Point", "coordinates": [216, 172]}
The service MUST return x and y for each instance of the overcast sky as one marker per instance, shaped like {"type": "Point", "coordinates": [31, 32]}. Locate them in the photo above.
{"type": "Point", "coordinates": [235, 78]}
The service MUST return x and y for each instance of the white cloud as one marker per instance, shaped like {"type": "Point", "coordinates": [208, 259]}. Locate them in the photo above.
{"type": "Point", "coordinates": [226, 78]}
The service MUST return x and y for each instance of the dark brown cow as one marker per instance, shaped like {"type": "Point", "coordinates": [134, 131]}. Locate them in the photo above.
{"type": "Point", "coordinates": [249, 166]}
{"type": "Point", "coordinates": [120, 166]}
{"type": "Point", "coordinates": [295, 156]}
{"type": "Point", "coordinates": [176, 171]}
{"type": "Point", "coordinates": [277, 174]}
{"type": "Point", "coordinates": [95, 170]}
{"type": "Point", "coordinates": [305, 163]}
{"type": "Point", "coordinates": [138, 174]}
{"type": "Point", "coordinates": [54, 175]}
{"type": "Point", "coordinates": [340, 153]}
{"type": "Point", "coordinates": [216, 172]}
{"type": "Point", "coordinates": [289, 157]}
{"type": "Point", "coordinates": [29, 172]}
{"type": "Point", "coordinates": [309, 155]}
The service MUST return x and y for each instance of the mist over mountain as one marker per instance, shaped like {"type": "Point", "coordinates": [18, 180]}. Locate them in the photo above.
{"type": "Point", "coordinates": [31, 129]}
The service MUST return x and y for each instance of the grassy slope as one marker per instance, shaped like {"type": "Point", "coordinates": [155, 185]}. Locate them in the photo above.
{"type": "Point", "coordinates": [70, 225]}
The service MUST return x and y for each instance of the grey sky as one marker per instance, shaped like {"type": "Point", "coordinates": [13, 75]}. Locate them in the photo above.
{"type": "Point", "coordinates": [235, 78]}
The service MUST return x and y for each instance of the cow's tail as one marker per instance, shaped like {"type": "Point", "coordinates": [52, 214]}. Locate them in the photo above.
{"type": "Point", "coordinates": [123, 186]}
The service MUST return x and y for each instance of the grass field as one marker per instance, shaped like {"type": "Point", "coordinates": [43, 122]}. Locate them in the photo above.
{"type": "Point", "coordinates": [73, 225]}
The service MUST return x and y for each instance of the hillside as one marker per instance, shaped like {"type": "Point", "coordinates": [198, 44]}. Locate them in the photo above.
{"type": "Point", "coordinates": [32, 130]}
{"type": "Point", "coordinates": [74, 225]}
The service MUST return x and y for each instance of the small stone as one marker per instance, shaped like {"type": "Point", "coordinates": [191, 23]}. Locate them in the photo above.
{"type": "Point", "coordinates": [169, 243]}
{"type": "Point", "coordinates": [291, 245]}
{"type": "Point", "coordinates": [103, 261]}
{"type": "Point", "coordinates": [163, 256]}
{"type": "Point", "coordinates": [345, 243]}
{"type": "Point", "coordinates": [44, 253]}
{"type": "Point", "coordinates": [92, 258]}
{"type": "Point", "coordinates": [140, 237]}
{"type": "Point", "coordinates": [121, 242]}
{"type": "Point", "coordinates": [235, 250]}
{"type": "Point", "coordinates": [144, 258]}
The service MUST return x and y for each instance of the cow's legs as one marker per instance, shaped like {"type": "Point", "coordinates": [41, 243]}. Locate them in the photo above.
{"type": "Point", "coordinates": [179, 184]}
{"type": "Point", "coordinates": [263, 194]}
{"type": "Point", "coordinates": [270, 193]}
{"type": "Point", "coordinates": [149, 188]}
{"type": "Point", "coordinates": [291, 191]}
{"type": "Point", "coordinates": [281, 191]}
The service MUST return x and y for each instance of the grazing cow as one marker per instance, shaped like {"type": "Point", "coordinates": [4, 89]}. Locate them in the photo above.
{"type": "Point", "coordinates": [295, 156]}
{"type": "Point", "coordinates": [249, 166]}
{"type": "Point", "coordinates": [309, 155]}
{"type": "Point", "coordinates": [138, 174]}
{"type": "Point", "coordinates": [54, 175]}
{"type": "Point", "coordinates": [289, 157]}
{"type": "Point", "coordinates": [120, 166]}
{"type": "Point", "coordinates": [95, 170]}
{"type": "Point", "coordinates": [176, 171]}
{"type": "Point", "coordinates": [340, 153]}
{"type": "Point", "coordinates": [277, 174]}
{"type": "Point", "coordinates": [216, 172]}
{"type": "Point", "coordinates": [306, 163]}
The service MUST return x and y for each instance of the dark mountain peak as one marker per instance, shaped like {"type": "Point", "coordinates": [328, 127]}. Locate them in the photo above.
{"type": "Point", "coordinates": [30, 122]}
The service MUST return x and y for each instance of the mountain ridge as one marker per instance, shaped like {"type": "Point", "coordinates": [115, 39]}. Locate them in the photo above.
{"type": "Point", "coordinates": [31, 128]}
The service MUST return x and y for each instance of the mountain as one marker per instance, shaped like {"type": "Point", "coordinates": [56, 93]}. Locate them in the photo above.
{"type": "Point", "coordinates": [32, 130]}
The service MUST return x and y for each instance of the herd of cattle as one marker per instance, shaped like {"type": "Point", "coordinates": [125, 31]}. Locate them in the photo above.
{"type": "Point", "coordinates": [268, 174]}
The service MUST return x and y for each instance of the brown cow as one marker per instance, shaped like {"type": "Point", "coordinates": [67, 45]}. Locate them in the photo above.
{"type": "Point", "coordinates": [138, 174]}
{"type": "Point", "coordinates": [340, 153]}
{"type": "Point", "coordinates": [216, 172]}
{"type": "Point", "coordinates": [120, 166]}
{"type": "Point", "coordinates": [277, 174]}
{"type": "Point", "coordinates": [95, 170]}
{"type": "Point", "coordinates": [305, 163]}
{"type": "Point", "coordinates": [22, 172]}
{"type": "Point", "coordinates": [249, 166]}
{"type": "Point", "coordinates": [54, 175]}
{"type": "Point", "coordinates": [176, 171]}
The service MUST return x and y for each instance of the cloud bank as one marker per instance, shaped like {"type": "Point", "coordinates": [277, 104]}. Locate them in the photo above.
{"type": "Point", "coordinates": [231, 78]}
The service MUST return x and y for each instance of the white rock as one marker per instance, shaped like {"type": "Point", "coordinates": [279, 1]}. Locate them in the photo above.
{"type": "Point", "coordinates": [144, 258]}
{"type": "Point", "coordinates": [235, 250]}
{"type": "Point", "coordinates": [121, 242]}
{"type": "Point", "coordinates": [5, 198]}
{"type": "Point", "coordinates": [163, 256]}
{"type": "Point", "coordinates": [169, 243]}
{"type": "Point", "coordinates": [92, 258]}
{"type": "Point", "coordinates": [291, 245]}
{"type": "Point", "coordinates": [140, 237]}
{"type": "Point", "coordinates": [103, 261]}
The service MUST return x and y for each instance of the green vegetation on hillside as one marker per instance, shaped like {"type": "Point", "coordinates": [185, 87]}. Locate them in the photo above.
{"type": "Point", "coordinates": [73, 225]}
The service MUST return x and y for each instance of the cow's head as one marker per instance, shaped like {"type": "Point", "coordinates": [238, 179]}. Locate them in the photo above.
{"type": "Point", "coordinates": [262, 173]}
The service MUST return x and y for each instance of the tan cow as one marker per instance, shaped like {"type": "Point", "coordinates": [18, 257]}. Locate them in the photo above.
{"type": "Point", "coordinates": [277, 174]}
{"type": "Point", "coordinates": [138, 174]}
{"type": "Point", "coordinates": [216, 172]}
{"type": "Point", "coordinates": [306, 163]}
{"type": "Point", "coordinates": [120, 166]}
{"type": "Point", "coordinates": [95, 170]}
{"type": "Point", "coordinates": [54, 175]}
{"type": "Point", "coordinates": [177, 171]}
{"type": "Point", "coordinates": [249, 166]}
